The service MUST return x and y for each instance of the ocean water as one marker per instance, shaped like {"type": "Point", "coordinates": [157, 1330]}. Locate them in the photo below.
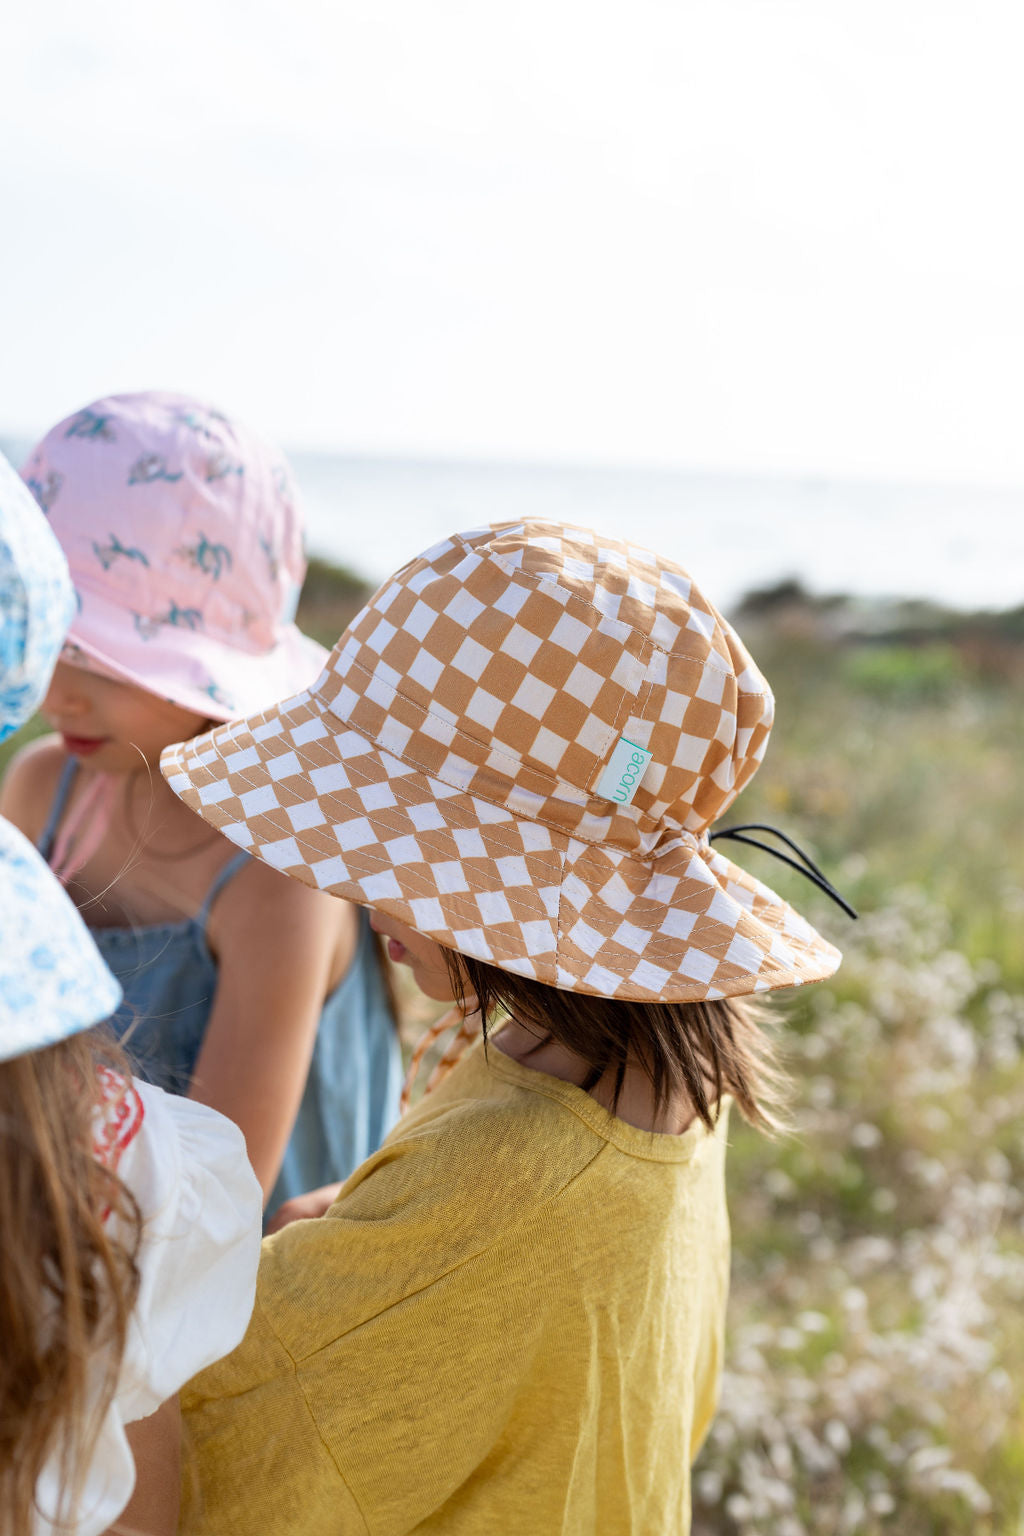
{"type": "Point", "coordinates": [952, 544]}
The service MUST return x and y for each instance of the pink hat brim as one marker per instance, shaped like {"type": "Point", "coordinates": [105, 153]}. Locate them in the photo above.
{"type": "Point", "coordinates": [190, 668]}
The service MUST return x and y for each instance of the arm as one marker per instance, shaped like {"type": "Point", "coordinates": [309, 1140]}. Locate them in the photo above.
{"type": "Point", "coordinates": [280, 947]}
{"type": "Point", "coordinates": [155, 1444]}
{"type": "Point", "coordinates": [30, 784]}
{"type": "Point", "coordinates": [316, 1202]}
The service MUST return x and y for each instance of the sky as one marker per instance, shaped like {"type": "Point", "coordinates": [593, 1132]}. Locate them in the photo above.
{"type": "Point", "coordinates": [781, 238]}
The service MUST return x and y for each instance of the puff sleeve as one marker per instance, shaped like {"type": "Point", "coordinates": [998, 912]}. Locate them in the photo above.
{"type": "Point", "coordinates": [201, 1208]}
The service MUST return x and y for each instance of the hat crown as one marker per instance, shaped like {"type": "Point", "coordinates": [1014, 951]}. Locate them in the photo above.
{"type": "Point", "coordinates": [450, 767]}
{"type": "Point", "coordinates": [511, 661]}
{"type": "Point", "coordinates": [36, 602]}
{"type": "Point", "coordinates": [174, 513]}
{"type": "Point", "coordinates": [53, 981]}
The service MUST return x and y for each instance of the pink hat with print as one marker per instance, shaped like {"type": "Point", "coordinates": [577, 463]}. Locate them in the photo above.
{"type": "Point", "coordinates": [184, 539]}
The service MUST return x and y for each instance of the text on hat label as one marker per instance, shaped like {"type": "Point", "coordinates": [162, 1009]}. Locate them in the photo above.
{"type": "Point", "coordinates": [621, 779]}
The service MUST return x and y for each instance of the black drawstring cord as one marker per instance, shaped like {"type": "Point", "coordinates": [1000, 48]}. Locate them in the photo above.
{"type": "Point", "coordinates": [806, 867]}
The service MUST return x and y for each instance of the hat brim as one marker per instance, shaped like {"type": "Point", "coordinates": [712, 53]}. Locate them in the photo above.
{"type": "Point", "coordinates": [53, 981]}
{"type": "Point", "coordinates": [189, 667]}
{"type": "Point", "coordinates": [316, 799]}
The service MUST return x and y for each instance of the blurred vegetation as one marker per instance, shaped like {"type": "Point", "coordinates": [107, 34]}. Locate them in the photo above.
{"type": "Point", "coordinates": [876, 1340]}
{"type": "Point", "coordinates": [331, 596]}
{"type": "Point", "coordinates": [875, 1356]}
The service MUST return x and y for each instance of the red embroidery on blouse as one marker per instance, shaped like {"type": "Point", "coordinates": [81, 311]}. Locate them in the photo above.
{"type": "Point", "coordinates": [119, 1116]}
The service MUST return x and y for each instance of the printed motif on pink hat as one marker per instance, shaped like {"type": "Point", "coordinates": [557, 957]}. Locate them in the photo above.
{"type": "Point", "coordinates": [445, 768]}
{"type": "Point", "coordinates": [185, 545]}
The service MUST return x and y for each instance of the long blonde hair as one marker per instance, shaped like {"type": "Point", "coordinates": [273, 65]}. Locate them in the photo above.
{"type": "Point", "coordinates": [68, 1273]}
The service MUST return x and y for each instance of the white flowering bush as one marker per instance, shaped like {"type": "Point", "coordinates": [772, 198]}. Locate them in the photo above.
{"type": "Point", "coordinates": [876, 1345]}
{"type": "Point", "coordinates": [874, 1374]}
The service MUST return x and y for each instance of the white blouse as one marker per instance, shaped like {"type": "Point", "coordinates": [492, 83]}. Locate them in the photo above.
{"type": "Point", "coordinates": [201, 1206]}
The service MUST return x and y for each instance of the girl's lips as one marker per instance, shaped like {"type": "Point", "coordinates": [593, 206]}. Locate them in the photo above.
{"type": "Point", "coordinates": [83, 746]}
{"type": "Point", "coordinates": [396, 951]}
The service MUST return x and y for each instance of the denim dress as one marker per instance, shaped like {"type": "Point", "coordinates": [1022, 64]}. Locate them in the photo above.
{"type": "Point", "coordinates": [169, 978]}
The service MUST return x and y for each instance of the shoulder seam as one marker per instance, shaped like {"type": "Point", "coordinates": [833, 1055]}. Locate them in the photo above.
{"type": "Point", "coordinates": [308, 1407]}
{"type": "Point", "coordinates": [298, 1365]}
{"type": "Point", "coordinates": [470, 1258]}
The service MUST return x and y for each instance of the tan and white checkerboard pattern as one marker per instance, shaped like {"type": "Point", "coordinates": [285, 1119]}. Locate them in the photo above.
{"type": "Point", "coordinates": [443, 768]}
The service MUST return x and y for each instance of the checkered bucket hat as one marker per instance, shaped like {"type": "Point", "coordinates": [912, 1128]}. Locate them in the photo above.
{"type": "Point", "coordinates": [184, 537]}
{"type": "Point", "coordinates": [518, 748]}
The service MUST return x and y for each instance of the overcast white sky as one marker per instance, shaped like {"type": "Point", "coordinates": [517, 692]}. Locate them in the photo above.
{"type": "Point", "coordinates": [764, 235]}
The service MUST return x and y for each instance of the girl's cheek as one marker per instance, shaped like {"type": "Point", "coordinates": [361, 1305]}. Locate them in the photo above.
{"type": "Point", "coordinates": [433, 979]}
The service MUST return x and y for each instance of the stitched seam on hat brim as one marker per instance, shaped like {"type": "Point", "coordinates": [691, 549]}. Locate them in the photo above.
{"type": "Point", "coordinates": [396, 786]}
{"type": "Point", "coordinates": [517, 573]}
{"type": "Point", "coordinates": [195, 700]}
{"type": "Point", "coordinates": [438, 777]}
{"type": "Point", "coordinates": [516, 764]}
{"type": "Point", "coordinates": [180, 633]}
{"type": "Point", "coordinates": [656, 942]}
{"type": "Point", "coordinates": [769, 976]}
{"type": "Point", "coordinates": [126, 675]}
{"type": "Point", "coordinates": [429, 888]}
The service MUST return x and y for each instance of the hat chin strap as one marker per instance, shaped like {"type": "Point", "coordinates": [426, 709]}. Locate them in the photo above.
{"type": "Point", "coordinates": [74, 848]}
{"type": "Point", "coordinates": [805, 867]}
{"type": "Point", "coordinates": [467, 1015]}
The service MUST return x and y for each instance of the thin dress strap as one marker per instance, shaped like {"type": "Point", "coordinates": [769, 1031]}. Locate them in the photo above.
{"type": "Point", "coordinates": [84, 828]}
{"type": "Point", "coordinates": [60, 800]}
{"type": "Point", "coordinates": [224, 874]}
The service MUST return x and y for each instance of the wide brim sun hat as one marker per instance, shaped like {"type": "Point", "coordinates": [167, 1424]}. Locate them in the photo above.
{"type": "Point", "coordinates": [53, 981]}
{"type": "Point", "coordinates": [184, 537]}
{"type": "Point", "coordinates": [36, 602]}
{"type": "Point", "coordinates": [518, 748]}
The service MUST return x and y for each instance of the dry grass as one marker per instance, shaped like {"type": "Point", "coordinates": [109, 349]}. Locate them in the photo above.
{"type": "Point", "coordinates": [876, 1343]}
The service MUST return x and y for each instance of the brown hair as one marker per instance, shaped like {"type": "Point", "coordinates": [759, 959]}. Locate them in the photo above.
{"type": "Point", "coordinates": [703, 1049]}
{"type": "Point", "coordinates": [68, 1275]}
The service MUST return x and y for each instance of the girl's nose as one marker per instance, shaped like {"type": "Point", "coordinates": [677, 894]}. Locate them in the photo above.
{"type": "Point", "coordinates": [64, 696]}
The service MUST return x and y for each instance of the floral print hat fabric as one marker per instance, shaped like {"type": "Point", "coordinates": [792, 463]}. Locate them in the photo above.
{"type": "Point", "coordinates": [184, 540]}
{"type": "Point", "coordinates": [53, 982]}
{"type": "Point", "coordinates": [459, 764]}
{"type": "Point", "coordinates": [36, 602]}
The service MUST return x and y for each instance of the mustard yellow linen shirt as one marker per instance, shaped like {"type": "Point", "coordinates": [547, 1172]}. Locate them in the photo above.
{"type": "Point", "coordinates": [510, 1322]}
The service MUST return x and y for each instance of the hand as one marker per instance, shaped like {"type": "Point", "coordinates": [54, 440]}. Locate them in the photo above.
{"type": "Point", "coordinates": [303, 1207]}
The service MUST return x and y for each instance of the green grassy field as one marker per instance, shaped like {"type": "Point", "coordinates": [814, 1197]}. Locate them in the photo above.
{"type": "Point", "coordinates": [876, 1343]}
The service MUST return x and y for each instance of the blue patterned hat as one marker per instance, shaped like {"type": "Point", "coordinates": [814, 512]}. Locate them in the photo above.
{"type": "Point", "coordinates": [36, 601]}
{"type": "Point", "coordinates": [53, 982]}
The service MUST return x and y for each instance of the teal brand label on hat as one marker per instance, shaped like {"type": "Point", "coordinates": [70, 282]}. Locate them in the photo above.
{"type": "Point", "coordinates": [621, 779]}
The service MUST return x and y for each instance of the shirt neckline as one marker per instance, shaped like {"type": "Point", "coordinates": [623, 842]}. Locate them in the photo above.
{"type": "Point", "coordinates": [654, 1146]}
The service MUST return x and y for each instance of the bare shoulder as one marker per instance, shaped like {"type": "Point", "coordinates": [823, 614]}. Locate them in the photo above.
{"type": "Point", "coordinates": [30, 784]}
{"type": "Point", "coordinates": [261, 906]}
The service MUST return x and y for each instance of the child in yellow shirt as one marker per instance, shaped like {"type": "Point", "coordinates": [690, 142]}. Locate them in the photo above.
{"type": "Point", "coordinates": [510, 1320]}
